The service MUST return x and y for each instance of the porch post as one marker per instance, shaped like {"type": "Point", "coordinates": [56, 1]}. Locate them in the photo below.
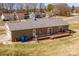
{"type": "Point", "coordinates": [48, 31]}
{"type": "Point", "coordinates": [36, 39]}
{"type": "Point", "coordinates": [35, 36]}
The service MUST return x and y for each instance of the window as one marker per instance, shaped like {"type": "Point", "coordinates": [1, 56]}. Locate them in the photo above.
{"type": "Point", "coordinates": [60, 29]}
{"type": "Point", "coordinates": [50, 31]}
{"type": "Point", "coordinates": [41, 31]}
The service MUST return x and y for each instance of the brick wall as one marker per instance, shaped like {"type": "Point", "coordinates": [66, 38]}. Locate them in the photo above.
{"type": "Point", "coordinates": [16, 34]}
{"type": "Point", "coordinates": [39, 31]}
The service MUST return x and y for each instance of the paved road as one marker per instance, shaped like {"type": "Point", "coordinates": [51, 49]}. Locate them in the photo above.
{"type": "Point", "coordinates": [74, 19]}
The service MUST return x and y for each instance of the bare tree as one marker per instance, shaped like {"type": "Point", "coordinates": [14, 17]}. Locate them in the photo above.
{"type": "Point", "coordinates": [2, 8]}
{"type": "Point", "coordinates": [31, 6]}
{"type": "Point", "coordinates": [1, 5]}
{"type": "Point", "coordinates": [34, 7]}
{"type": "Point", "coordinates": [10, 6]}
{"type": "Point", "coordinates": [62, 9]}
{"type": "Point", "coordinates": [41, 7]}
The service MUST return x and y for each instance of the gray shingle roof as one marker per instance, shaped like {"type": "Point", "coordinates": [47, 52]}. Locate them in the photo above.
{"type": "Point", "coordinates": [39, 23]}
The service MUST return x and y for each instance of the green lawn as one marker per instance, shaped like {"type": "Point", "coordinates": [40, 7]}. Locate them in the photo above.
{"type": "Point", "coordinates": [61, 46]}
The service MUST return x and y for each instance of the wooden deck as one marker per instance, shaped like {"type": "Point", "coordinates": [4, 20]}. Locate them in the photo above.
{"type": "Point", "coordinates": [59, 35]}
{"type": "Point", "coordinates": [53, 36]}
{"type": "Point", "coordinates": [42, 36]}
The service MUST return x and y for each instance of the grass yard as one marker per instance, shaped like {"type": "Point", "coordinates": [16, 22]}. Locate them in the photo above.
{"type": "Point", "coordinates": [2, 23]}
{"type": "Point", "coordinates": [67, 46]}
{"type": "Point", "coordinates": [2, 32]}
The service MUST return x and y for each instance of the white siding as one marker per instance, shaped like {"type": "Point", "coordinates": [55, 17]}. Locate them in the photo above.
{"type": "Point", "coordinates": [8, 32]}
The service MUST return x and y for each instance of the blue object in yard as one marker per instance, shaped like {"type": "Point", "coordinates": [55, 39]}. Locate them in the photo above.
{"type": "Point", "coordinates": [24, 38]}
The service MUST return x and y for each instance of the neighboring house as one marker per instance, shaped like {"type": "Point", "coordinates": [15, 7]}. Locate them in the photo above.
{"type": "Point", "coordinates": [39, 29]}
{"type": "Point", "coordinates": [21, 16]}
{"type": "Point", "coordinates": [10, 16]}
{"type": "Point", "coordinates": [36, 15]}
{"type": "Point", "coordinates": [32, 15]}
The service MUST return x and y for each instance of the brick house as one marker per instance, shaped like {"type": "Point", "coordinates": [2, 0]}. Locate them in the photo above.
{"type": "Point", "coordinates": [39, 29]}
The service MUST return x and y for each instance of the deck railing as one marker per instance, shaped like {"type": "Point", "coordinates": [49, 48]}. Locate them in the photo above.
{"type": "Point", "coordinates": [59, 34]}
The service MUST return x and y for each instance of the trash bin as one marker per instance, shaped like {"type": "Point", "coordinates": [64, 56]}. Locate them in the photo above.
{"type": "Point", "coordinates": [24, 38]}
